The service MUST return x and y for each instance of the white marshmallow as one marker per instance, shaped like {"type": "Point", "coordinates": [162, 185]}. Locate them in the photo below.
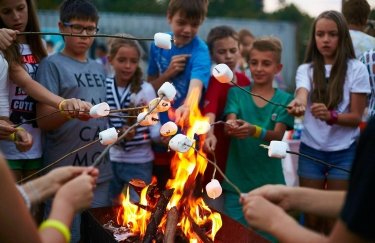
{"type": "Point", "coordinates": [163, 40]}
{"type": "Point", "coordinates": [180, 143]}
{"type": "Point", "coordinates": [167, 90]}
{"type": "Point", "coordinates": [108, 136]}
{"type": "Point", "coordinates": [168, 129]}
{"type": "Point", "coordinates": [162, 106]}
{"type": "Point", "coordinates": [222, 73]}
{"type": "Point", "coordinates": [201, 127]}
{"type": "Point", "coordinates": [277, 149]}
{"type": "Point", "coordinates": [147, 120]}
{"type": "Point", "coordinates": [213, 189]}
{"type": "Point", "coordinates": [100, 110]}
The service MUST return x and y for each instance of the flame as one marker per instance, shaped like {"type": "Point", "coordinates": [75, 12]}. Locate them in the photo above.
{"type": "Point", "coordinates": [132, 216]}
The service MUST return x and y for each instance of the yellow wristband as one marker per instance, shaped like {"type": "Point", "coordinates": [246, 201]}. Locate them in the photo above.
{"type": "Point", "coordinates": [59, 106]}
{"type": "Point", "coordinates": [57, 225]}
{"type": "Point", "coordinates": [12, 136]}
{"type": "Point", "coordinates": [258, 131]}
{"type": "Point", "coordinates": [62, 110]}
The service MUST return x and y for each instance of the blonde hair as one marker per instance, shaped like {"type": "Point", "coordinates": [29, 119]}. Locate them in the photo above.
{"type": "Point", "coordinates": [268, 43]}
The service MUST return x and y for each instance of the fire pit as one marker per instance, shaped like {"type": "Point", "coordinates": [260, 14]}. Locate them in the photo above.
{"type": "Point", "coordinates": [94, 219]}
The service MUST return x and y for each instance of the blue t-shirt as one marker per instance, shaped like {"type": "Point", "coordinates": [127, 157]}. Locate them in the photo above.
{"type": "Point", "coordinates": [197, 67]}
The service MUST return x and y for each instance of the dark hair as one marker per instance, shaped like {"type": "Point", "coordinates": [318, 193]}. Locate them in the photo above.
{"type": "Point", "coordinates": [192, 9]}
{"type": "Point", "coordinates": [268, 43]}
{"type": "Point", "coordinates": [243, 33]}
{"type": "Point", "coordinates": [78, 9]}
{"type": "Point", "coordinates": [12, 54]}
{"type": "Point", "coordinates": [356, 11]}
{"type": "Point", "coordinates": [330, 93]}
{"type": "Point", "coordinates": [220, 32]}
{"type": "Point", "coordinates": [114, 45]}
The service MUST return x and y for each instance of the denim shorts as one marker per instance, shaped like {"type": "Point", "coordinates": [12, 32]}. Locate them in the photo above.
{"type": "Point", "coordinates": [310, 169]}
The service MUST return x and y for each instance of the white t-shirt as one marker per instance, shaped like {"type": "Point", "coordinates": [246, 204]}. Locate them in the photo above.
{"type": "Point", "coordinates": [317, 134]}
{"type": "Point", "coordinates": [4, 87]}
{"type": "Point", "coordinates": [362, 42]}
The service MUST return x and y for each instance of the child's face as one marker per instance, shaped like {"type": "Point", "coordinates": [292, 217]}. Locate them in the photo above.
{"type": "Point", "coordinates": [125, 63]}
{"type": "Point", "coordinates": [226, 51]}
{"type": "Point", "coordinates": [263, 66]}
{"type": "Point", "coordinates": [78, 45]}
{"type": "Point", "coordinates": [184, 29]}
{"type": "Point", "coordinates": [14, 14]}
{"type": "Point", "coordinates": [246, 45]}
{"type": "Point", "coordinates": [327, 39]}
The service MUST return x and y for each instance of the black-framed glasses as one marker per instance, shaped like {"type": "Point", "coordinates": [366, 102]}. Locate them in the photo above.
{"type": "Point", "coordinates": [78, 29]}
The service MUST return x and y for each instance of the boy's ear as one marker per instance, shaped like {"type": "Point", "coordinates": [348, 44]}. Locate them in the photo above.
{"type": "Point", "coordinates": [279, 67]}
{"type": "Point", "coordinates": [61, 26]}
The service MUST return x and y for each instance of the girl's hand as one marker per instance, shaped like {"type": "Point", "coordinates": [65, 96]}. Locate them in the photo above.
{"type": "Point", "coordinates": [7, 37]}
{"type": "Point", "coordinates": [76, 108]}
{"type": "Point", "coordinates": [296, 107]}
{"type": "Point", "coordinates": [24, 140]}
{"type": "Point", "coordinates": [5, 130]}
{"type": "Point", "coordinates": [210, 143]}
{"type": "Point", "coordinates": [320, 111]}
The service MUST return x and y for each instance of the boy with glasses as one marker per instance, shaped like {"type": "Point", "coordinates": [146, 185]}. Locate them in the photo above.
{"type": "Point", "coordinates": [71, 74]}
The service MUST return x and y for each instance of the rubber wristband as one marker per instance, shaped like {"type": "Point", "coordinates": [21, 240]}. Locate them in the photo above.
{"type": "Point", "coordinates": [59, 106]}
{"type": "Point", "coordinates": [334, 117]}
{"type": "Point", "coordinates": [62, 110]}
{"type": "Point", "coordinates": [258, 131]}
{"type": "Point", "coordinates": [57, 225]}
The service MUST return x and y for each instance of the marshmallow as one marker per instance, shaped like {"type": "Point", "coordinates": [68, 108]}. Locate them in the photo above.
{"type": "Point", "coordinates": [180, 143]}
{"type": "Point", "coordinates": [147, 120]}
{"type": "Point", "coordinates": [99, 110]}
{"type": "Point", "coordinates": [201, 127]}
{"type": "Point", "coordinates": [213, 189]}
{"type": "Point", "coordinates": [162, 106]}
{"type": "Point", "coordinates": [168, 129]}
{"type": "Point", "coordinates": [222, 73]}
{"type": "Point", "coordinates": [108, 136]}
{"type": "Point", "coordinates": [277, 149]}
{"type": "Point", "coordinates": [163, 40]}
{"type": "Point", "coordinates": [167, 90]}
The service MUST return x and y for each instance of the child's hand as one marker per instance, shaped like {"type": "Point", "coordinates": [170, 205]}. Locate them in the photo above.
{"type": "Point", "coordinates": [5, 130]}
{"type": "Point", "coordinates": [296, 107]}
{"type": "Point", "coordinates": [242, 129]}
{"type": "Point", "coordinates": [182, 114]}
{"type": "Point", "coordinates": [7, 36]}
{"type": "Point", "coordinates": [210, 143]}
{"type": "Point", "coordinates": [130, 134]}
{"type": "Point", "coordinates": [76, 108]}
{"type": "Point", "coordinates": [23, 140]}
{"type": "Point", "coordinates": [177, 65]}
{"type": "Point", "coordinates": [230, 126]}
{"type": "Point", "coordinates": [320, 111]}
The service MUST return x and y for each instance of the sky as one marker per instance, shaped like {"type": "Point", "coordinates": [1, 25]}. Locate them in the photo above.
{"type": "Point", "coordinates": [311, 7]}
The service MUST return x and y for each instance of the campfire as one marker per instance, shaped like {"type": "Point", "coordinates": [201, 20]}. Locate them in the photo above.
{"type": "Point", "coordinates": [178, 213]}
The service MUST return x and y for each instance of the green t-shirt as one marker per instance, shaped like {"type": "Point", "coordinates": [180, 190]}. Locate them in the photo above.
{"type": "Point", "coordinates": [248, 165]}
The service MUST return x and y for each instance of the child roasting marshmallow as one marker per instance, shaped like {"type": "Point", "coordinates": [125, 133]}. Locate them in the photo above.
{"type": "Point", "coordinates": [180, 143]}
{"type": "Point", "coordinates": [99, 110]}
{"type": "Point", "coordinates": [167, 90]}
{"type": "Point", "coordinates": [168, 129]}
{"type": "Point", "coordinates": [213, 189]}
{"type": "Point", "coordinates": [163, 40]}
{"type": "Point", "coordinates": [222, 73]}
{"type": "Point", "coordinates": [277, 149]}
{"type": "Point", "coordinates": [201, 127]}
{"type": "Point", "coordinates": [108, 136]}
{"type": "Point", "coordinates": [162, 106]}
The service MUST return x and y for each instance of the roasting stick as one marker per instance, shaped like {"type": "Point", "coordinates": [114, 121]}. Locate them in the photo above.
{"type": "Point", "coordinates": [82, 35]}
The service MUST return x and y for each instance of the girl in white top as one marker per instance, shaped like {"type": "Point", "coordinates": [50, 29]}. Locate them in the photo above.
{"type": "Point", "coordinates": [331, 91]}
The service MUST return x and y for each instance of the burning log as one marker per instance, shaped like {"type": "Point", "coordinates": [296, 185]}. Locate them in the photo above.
{"type": "Point", "coordinates": [198, 231]}
{"type": "Point", "coordinates": [157, 216]}
{"type": "Point", "coordinates": [170, 228]}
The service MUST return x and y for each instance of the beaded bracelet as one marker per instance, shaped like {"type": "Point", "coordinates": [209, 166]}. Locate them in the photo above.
{"type": "Point", "coordinates": [24, 195]}
{"type": "Point", "coordinates": [57, 225]}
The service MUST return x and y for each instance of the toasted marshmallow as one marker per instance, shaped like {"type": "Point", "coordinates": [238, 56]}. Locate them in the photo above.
{"type": "Point", "coordinates": [161, 105]}
{"type": "Point", "coordinates": [147, 120]}
{"type": "Point", "coordinates": [108, 136]}
{"type": "Point", "coordinates": [180, 143]}
{"type": "Point", "coordinates": [277, 149]}
{"type": "Point", "coordinates": [167, 90]}
{"type": "Point", "coordinates": [100, 110]}
{"type": "Point", "coordinates": [201, 127]}
{"type": "Point", "coordinates": [222, 73]}
{"type": "Point", "coordinates": [168, 129]}
{"type": "Point", "coordinates": [213, 189]}
{"type": "Point", "coordinates": [163, 40]}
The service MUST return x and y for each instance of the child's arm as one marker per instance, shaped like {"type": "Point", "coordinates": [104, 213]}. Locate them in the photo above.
{"type": "Point", "coordinates": [358, 102]}
{"type": "Point", "coordinates": [7, 36]}
{"type": "Point", "coordinates": [298, 104]}
{"type": "Point", "coordinates": [195, 87]}
{"type": "Point", "coordinates": [51, 122]}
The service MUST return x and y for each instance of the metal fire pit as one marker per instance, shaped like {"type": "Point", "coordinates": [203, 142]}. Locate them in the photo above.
{"type": "Point", "coordinates": [93, 231]}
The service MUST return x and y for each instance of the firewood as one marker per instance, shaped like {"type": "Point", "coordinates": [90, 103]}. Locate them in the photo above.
{"type": "Point", "coordinates": [157, 216]}
{"type": "Point", "coordinates": [170, 228]}
{"type": "Point", "coordinates": [198, 231]}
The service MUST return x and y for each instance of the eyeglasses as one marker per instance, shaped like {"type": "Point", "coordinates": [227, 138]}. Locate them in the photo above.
{"type": "Point", "coordinates": [78, 29]}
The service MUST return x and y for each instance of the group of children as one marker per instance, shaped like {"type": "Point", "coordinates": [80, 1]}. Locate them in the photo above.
{"type": "Point", "coordinates": [331, 89]}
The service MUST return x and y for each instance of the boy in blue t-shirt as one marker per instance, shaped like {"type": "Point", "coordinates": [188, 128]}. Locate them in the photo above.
{"type": "Point", "coordinates": [186, 65]}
